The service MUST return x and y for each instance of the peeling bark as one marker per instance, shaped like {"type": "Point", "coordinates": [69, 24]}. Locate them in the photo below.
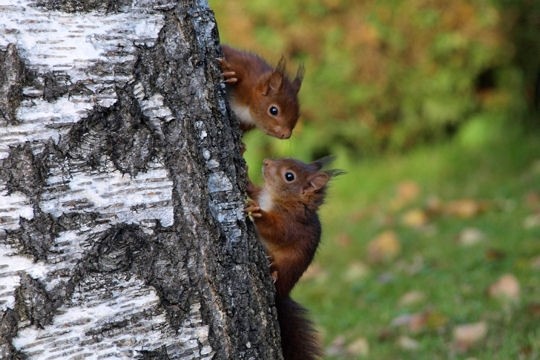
{"type": "Point", "coordinates": [122, 233]}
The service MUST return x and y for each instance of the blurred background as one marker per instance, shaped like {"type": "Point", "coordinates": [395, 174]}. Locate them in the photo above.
{"type": "Point", "coordinates": [431, 241]}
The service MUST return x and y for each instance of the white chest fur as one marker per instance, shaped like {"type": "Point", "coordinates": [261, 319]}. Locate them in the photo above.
{"type": "Point", "coordinates": [242, 113]}
{"type": "Point", "coordinates": [265, 200]}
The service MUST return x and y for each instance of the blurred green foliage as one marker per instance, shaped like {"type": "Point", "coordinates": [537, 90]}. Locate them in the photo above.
{"type": "Point", "coordinates": [389, 75]}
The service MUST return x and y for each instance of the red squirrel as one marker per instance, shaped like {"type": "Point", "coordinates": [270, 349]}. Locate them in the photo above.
{"type": "Point", "coordinates": [259, 95]}
{"type": "Point", "coordinates": [284, 211]}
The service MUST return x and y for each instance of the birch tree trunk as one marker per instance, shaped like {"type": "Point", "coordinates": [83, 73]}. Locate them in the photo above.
{"type": "Point", "coordinates": [122, 233]}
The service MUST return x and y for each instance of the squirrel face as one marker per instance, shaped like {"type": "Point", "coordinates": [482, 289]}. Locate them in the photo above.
{"type": "Point", "coordinates": [290, 180]}
{"type": "Point", "coordinates": [276, 101]}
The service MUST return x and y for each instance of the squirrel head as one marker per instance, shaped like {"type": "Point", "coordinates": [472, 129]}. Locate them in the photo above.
{"type": "Point", "coordinates": [295, 181]}
{"type": "Point", "coordinates": [276, 101]}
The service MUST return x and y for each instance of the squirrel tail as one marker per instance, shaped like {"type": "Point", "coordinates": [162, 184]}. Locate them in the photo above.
{"type": "Point", "coordinates": [299, 339]}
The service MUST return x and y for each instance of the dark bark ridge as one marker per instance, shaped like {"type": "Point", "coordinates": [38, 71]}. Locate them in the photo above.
{"type": "Point", "coordinates": [122, 219]}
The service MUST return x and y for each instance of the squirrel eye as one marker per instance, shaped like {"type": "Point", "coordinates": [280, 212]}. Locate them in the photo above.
{"type": "Point", "coordinates": [273, 110]}
{"type": "Point", "coordinates": [289, 176]}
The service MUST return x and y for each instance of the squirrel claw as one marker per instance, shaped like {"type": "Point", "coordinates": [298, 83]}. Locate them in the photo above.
{"type": "Point", "coordinates": [274, 275]}
{"type": "Point", "coordinates": [229, 77]}
{"type": "Point", "coordinates": [253, 210]}
{"type": "Point", "coordinates": [230, 80]}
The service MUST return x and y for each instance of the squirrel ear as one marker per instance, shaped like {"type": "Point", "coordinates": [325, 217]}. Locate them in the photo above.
{"type": "Point", "coordinates": [317, 182]}
{"type": "Point", "coordinates": [274, 82]}
{"type": "Point", "coordinates": [297, 82]}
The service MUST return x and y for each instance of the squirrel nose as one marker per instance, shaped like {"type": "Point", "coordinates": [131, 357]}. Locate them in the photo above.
{"type": "Point", "coordinates": [285, 134]}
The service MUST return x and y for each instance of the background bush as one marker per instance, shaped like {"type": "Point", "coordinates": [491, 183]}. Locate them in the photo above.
{"type": "Point", "coordinates": [389, 75]}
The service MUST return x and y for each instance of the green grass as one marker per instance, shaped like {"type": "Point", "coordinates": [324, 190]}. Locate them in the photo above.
{"type": "Point", "coordinates": [498, 171]}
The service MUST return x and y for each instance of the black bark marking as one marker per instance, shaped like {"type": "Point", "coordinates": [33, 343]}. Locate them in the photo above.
{"type": "Point", "coordinates": [8, 330]}
{"type": "Point", "coordinates": [55, 85]}
{"type": "Point", "coordinates": [22, 172]}
{"type": "Point", "coordinates": [33, 302]}
{"type": "Point", "coordinates": [121, 132]}
{"type": "Point", "coordinates": [13, 77]}
{"type": "Point", "coordinates": [37, 235]}
{"type": "Point", "coordinates": [82, 6]}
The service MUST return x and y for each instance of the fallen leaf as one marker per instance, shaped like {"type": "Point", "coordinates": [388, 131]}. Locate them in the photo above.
{"type": "Point", "coordinates": [384, 247]}
{"type": "Point", "coordinates": [434, 206]}
{"type": "Point", "coordinates": [407, 343]}
{"type": "Point", "coordinates": [417, 322]}
{"type": "Point", "coordinates": [315, 271]}
{"type": "Point", "coordinates": [535, 263]}
{"type": "Point", "coordinates": [465, 208]}
{"type": "Point", "coordinates": [359, 347]}
{"type": "Point", "coordinates": [532, 200]}
{"type": "Point", "coordinates": [412, 298]}
{"type": "Point", "coordinates": [421, 321]}
{"type": "Point", "coordinates": [534, 310]}
{"type": "Point", "coordinates": [412, 322]}
{"type": "Point", "coordinates": [406, 192]}
{"type": "Point", "coordinates": [415, 218]}
{"type": "Point", "coordinates": [343, 240]}
{"type": "Point", "coordinates": [358, 216]}
{"type": "Point", "coordinates": [470, 236]}
{"type": "Point", "coordinates": [467, 335]}
{"type": "Point", "coordinates": [495, 255]}
{"type": "Point", "coordinates": [336, 347]}
{"type": "Point", "coordinates": [532, 221]}
{"type": "Point", "coordinates": [507, 287]}
{"type": "Point", "coordinates": [357, 270]}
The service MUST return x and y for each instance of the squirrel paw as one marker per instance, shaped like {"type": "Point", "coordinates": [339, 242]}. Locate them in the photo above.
{"type": "Point", "coordinates": [229, 76]}
{"type": "Point", "coordinates": [253, 209]}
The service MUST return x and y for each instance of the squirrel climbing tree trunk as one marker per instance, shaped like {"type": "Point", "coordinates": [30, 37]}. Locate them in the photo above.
{"type": "Point", "coordinates": [122, 233]}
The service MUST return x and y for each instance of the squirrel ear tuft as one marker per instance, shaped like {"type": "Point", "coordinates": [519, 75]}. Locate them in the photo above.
{"type": "Point", "coordinates": [297, 82]}
{"type": "Point", "coordinates": [280, 68]}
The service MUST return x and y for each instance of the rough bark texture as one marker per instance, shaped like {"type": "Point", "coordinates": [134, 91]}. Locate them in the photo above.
{"type": "Point", "coordinates": [122, 233]}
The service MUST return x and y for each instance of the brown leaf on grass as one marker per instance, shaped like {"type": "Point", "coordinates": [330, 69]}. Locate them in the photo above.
{"type": "Point", "coordinates": [533, 310]}
{"type": "Point", "coordinates": [336, 347]}
{"type": "Point", "coordinates": [470, 236]}
{"type": "Point", "coordinates": [359, 347]}
{"type": "Point", "coordinates": [359, 215]}
{"type": "Point", "coordinates": [465, 208]}
{"type": "Point", "coordinates": [315, 271]}
{"type": "Point", "coordinates": [505, 288]}
{"type": "Point", "coordinates": [535, 263]}
{"type": "Point", "coordinates": [412, 322]}
{"type": "Point", "coordinates": [421, 321]}
{"type": "Point", "coordinates": [412, 298]}
{"type": "Point", "coordinates": [407, 343]}
{"type": "Point", "coordinates": [532, 221]}
{"type": "Point", "coordinates": [406, 192]}
{"type": "Point", "coordinates": [532, 200]}
{"type": "Point", "coordinates": [415, 218]}
{"type": "Point", "coordinates": [357, 270]}
{"type": "Point", "coordinates": [495, 255]}
{"type": "Point", "coordinates": [343, 240]}
{"type": "Point", "coordinates": [434, 206]}
{"type": "Point", "coordinates": [384, 247]}
{"type": "Point", "coordinates": [467, 335]}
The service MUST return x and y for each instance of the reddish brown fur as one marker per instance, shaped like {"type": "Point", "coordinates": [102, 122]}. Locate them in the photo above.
{"type": "Point", "coordinates": [258, 86]}
{"type": "Point", "coordinates": [290, 230]}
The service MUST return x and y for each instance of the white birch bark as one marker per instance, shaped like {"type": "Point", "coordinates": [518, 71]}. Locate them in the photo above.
{"type": "Point", "coordinates": [122, 233]}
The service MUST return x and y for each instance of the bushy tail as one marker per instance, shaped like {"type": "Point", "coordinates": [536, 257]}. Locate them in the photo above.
{"type": "Point", "coordinates": [298, 337]}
